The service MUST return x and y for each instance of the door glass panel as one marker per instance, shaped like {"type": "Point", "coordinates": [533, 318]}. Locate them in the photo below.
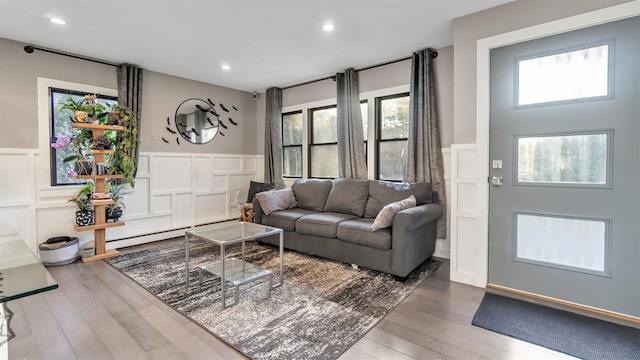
{"type": "Point", "coordinates": [562, 242]}
{"type": "Point", "coordinates": [575, 159]}
{"type": "Point", "coordinates": [576, 74]}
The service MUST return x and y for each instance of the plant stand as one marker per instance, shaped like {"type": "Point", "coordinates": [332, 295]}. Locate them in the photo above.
{"type": "Point", "coordinates": [99, 223]}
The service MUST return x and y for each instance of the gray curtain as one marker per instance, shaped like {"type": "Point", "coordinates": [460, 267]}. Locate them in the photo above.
{"type": "Point", "coordinates": [424, 155]}
{"type": "Point", "coordinates": [273, 138]}
{"type": "Point", "coordinates": [130, 95]}
{"type": "Point", "coordinates": [352, 162]}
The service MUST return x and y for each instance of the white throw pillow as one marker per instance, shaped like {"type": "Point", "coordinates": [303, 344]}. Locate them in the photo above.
{"type": "Point", "coordinates": [385, 216]}
{"type": "Point", "coordinates": [273, 200]}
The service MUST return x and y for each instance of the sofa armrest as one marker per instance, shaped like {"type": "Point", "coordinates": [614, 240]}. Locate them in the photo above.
{"type": "Point", "coordinates": [416, 216]}
{"type": "Point", "coordinates": [413, 237]}
{"type": "Point", "coordinates": [257, 211]}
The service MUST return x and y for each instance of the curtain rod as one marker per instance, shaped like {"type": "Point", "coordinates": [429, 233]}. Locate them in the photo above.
{"type": "Point", "coordinates": [29, 49]}
{"type": "Point", "coordinates": [433, 53]}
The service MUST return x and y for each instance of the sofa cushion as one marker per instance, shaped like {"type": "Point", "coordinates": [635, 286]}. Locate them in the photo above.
{"type": "Point", "coordinates": [348, 196]}
{"type": "Point", "coordinates": [386, 215]}
{"type": "Point", "coordinates": [256, 187]}
{"type": "Point", "coordinates": [285, 219]}
{"type": "Point", "coordinates": [358, 231]}
{"type": "Point", "coordinates": [273, 200]}
{"type": "Point", "coordinates": [323, 224]}
{"type": "Point", "coordinates": [311, 194]}
{"type": "Point", "coordinates": [382, 193]}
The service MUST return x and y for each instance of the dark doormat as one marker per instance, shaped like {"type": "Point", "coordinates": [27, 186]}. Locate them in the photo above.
{"type": "Point", "coordinates": [573, 334]}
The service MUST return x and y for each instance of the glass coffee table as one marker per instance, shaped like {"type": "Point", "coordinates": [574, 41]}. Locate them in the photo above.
{"type": "Point", "coordinates": [21, 274]}
{"type": "Point", "coordinates": [235, 271]}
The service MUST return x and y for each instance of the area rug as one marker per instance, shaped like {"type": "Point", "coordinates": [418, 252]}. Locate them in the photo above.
{"type": "Point", "coordinates": [322, 309]}
{"type": "Point", "coordinates": [577, 335]}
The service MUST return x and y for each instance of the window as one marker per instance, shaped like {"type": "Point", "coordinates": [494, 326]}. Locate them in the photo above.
{"type": "Point", "coordinates": [61, 131]}
{"type": "Point", "coordinates": [323, 144]}
{"type": "Point", "coordinates": [392, 119]}
{"type": "Point", "coordinates": [292, 144]}
{"type": "Point", "coordinates": [563, 159]}
{"type": "Point", "coordinates": [556, 241]}
{"type": "Point", "coordinates": [577, 74]}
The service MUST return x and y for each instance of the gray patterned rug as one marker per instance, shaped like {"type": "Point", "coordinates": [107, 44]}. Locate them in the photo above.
{"type": "Point", "coordinates": [322, 309]}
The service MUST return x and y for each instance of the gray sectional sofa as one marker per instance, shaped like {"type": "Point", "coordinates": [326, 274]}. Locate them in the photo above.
{"type": "Point", "coordinates": [333, 219]}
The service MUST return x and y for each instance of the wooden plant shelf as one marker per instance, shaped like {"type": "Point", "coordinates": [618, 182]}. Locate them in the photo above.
{"type": "Point", "coordinates": [99, 226]}
{"type": "Point", "coordinates": [78, 125]}
{"type": "Point", "coordinates": [100, 152]}
{"type": "Point", "coordinates": [91, 177]}
{"type": "Point", "coordinates": [107, 254]}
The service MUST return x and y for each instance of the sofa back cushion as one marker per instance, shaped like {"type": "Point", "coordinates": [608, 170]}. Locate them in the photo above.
{"type": "Point", "coordinates": [311, 194]}
{"type": "Point", "coordinates": [348, 196]}
{"type": "Point", "coordinates": [382, 193]}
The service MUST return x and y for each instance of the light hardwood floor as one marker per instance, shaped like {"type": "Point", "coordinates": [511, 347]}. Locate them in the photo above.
{"type": "Point", "coordinates": [98, 313]}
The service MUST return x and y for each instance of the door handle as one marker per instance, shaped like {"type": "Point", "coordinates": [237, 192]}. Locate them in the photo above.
{"type": "Point", "coordinates": [496, 181]}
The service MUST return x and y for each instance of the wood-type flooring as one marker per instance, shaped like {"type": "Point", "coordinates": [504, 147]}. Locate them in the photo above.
{"type": "Point", "coordinates": [98, 313]}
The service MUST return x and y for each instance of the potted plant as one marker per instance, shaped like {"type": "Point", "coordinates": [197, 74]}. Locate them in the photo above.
{"type": "Point", "coordinates": [85, 109]}
{"type": "Point", "coordinates": [114, 211]}
{"type": "Point", "coordinates": [84, 213]}
{"type": "Point", "coordinates": [123, 160]}
{"type": "Point", "coordinates": [81, 142]}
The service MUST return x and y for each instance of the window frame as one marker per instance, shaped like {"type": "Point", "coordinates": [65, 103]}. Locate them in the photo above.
{"type": "Point", "coordinates": [292, 145]}
{"type": "Point", "coordinates": [53, 163]}
{"type": "Point", "coordinates": [610, 74]}
{"type": "Point", "coordinates": [311, 144]}
{"type": "Point", "coordinates": [378, 131]}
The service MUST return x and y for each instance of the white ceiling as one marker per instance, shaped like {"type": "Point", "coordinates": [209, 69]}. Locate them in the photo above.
{"type": "Point", "coordinates": [266, 43]}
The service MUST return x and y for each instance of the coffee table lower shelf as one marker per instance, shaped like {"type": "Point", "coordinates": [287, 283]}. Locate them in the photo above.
{"type": "Point", "coordinates": [237, 272]}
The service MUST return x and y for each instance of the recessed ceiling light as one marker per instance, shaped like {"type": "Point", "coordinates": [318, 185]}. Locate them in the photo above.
{"type": "Point", "coordinates": [57, 21]}
{"type": "Point", "coordinates": [328, 27]}
{"type": "Point", "coordinates": [226, 67]}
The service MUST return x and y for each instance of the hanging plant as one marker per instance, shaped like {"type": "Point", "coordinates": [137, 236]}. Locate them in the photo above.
{"type": "Point", "coordinates": [123, 160]}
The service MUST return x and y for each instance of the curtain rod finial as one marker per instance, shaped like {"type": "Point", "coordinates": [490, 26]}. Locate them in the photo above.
{"type": "Point", "coordinates": [28, 49]}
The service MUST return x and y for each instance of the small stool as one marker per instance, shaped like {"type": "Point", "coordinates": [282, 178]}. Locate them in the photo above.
{"type": "Point", "coordinates": [246, 212]}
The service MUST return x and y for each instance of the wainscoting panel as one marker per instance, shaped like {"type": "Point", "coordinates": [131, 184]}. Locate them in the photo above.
{"type": "Point", "coordinates": [171, 173]}
{"type": "Point", "coordinates": [14, 178]}
{"type": "Point", "coordinates": [173, 191]}
{"type": "Point", "coordinates": [465, 250]}
{"type": "Point", "coordinates": [204, 174]}
{"type": "Point", "coordinates": [443, 245]}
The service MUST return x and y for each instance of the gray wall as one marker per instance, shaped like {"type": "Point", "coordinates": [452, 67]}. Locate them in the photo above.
{"type": "Point", "coordinates": [162, 94]}
{"type": "Point", "coordinates": [501, 19]}
{"type": "Point", "coordinates": [380, 78]}
{"type": "Point", "coordinates": [18, 88]}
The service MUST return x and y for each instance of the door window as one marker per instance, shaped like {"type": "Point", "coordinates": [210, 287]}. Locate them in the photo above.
{"type": "Point", "coordinates": [569, 75]}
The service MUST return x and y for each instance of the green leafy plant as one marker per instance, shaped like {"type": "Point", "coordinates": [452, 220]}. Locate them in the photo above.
{"type": "Point", "coordinates": [95, 111]}
{"type": "Point", "coordinates": [115, 190]}
{"type": "Point", "coordinates": [123, 160]}
{"type": "Point", "coordinates": [80, 143]}
{"type": "Point", "coordinates": [83, 198]}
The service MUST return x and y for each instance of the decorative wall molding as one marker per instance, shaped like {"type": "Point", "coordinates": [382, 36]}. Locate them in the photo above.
{"type": "Point", "coordinates": [173, 191]}
{"type": "Point", "coordinates": [443, 246]}
{"type": "Point", "coordinates": [467, 255]}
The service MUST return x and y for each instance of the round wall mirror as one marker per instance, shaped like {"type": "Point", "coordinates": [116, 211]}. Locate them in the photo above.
{"type": "Point", "coordinates": [195, 121]}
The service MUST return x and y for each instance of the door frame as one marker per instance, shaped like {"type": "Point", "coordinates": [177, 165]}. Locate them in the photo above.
{"type": "Point", "coordinates": [484, 46]}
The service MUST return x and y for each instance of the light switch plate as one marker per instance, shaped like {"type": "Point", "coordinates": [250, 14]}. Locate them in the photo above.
{"type": "Point", "coordinates": [497, 164]}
